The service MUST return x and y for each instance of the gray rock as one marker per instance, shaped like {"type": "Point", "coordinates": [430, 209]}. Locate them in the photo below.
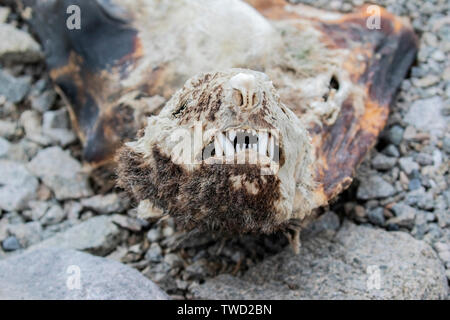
{"type": "Point", "coordinates": [27, 234]}
{"type": "Point", "coordinates": [153, 235]}
{"type": "Point", "coordinates": [446, 144]}
{"type": "Point", "coordinates": [44, 101]}
{"type": "Point", "coordinates": [7, 129]}
{"type": "Point", "coordinates": [408, 165]}
{"type": "Point", "coordinates": [382, 162]}
{"type": "Point", "coordinates": [98, 235]}
{"type": "Point", "coordinates": [53, 215]}
{"type": "Point", "coordinates": [17, 186]}
{"type": "Point", "coordinates": [53, 274]}
{"type": "Point", "coordinates": [395, 135]}
{"type": "Point", "coordinates": [17, 45]}
{"type": "Point", "coordinates": [347, 265]}
{"type": "Point", "coordinates": [5, 147]}
{"type": "Point", "coordinates": [129, 223]}
{"type": "Point", "coordinates": [391, 151]}
{"type": "Point", "coordinates": [154, 253]}
{"type": "Point", "coordinates": [55, 124]}
{"type": "Point", "coordinates": [404, 215]}
{"type": "Point", "coordinates": [61, 173]}
{"type": "Point", "coordinates": [414, 184]}
{"type": "Point", "coordinates": [30, 120]}
{"type": "Point", "coordinates": [376, 216]}
{"type": "Point", "coordinates": [329, 221]}
{"type": "Point", "coordinates": [4, 13]}
{"type": "Point", "coordinates": [105, 204]}
{"type": "Point", "coordinates": [426, 115]}
{"type": "Point", "coordinates": [374, 187]}
{"type": "Point", "coordinates": [14, 89]}
{"type": "Point", "coordinates": [11, 244]}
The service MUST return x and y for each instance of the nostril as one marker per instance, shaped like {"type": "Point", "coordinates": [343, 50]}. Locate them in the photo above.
{"type": "Point", "coordinates": [238, 99]}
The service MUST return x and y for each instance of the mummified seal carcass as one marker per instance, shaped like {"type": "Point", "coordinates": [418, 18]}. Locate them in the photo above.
{"type": "Point", "coordinates": [306, 92]}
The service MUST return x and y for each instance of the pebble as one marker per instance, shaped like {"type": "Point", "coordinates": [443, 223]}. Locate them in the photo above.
{"type": "Point", "coordinates": [408, 165]}
{"type": "Point", "coordinates": [27, 234]}
{"type": "Point", "coordinates": [14, 89]}
{"type": "Point", "coordinates": [44, 101]}
{"type": "Point", "coordinates": [376, 216]}
{"type": "Point", "coordinates": [7, 129]}
{"type": "Point", "coordinates": [4, 13]}
{"type": "Point", "coordinates": [17, 186]}
{"type": "Point", "coordinates": [18, 46]}
{"type": "Point", "coordinates": [5, 147]}
{"type": "Point", "coordinates": [426, 115]}
{"type": "Point", "coordinates": [154, 253]}
{"type": "Point", "coordinates": [61, 173]}
{"type": "Point", "coordinates": [391, 151]}
{"type": "Point", "coordinates": [11, 244]}
{"type": "Point", "coordinates": [154, 235]}
{"type": "Point", "coordinates": [396, 134]}
{"type": "Point", "coordinates": [404, 216]}
{"type": "Point", "coordinates": [374, 187]}
{"type": "Point", "coordinates": [106, 204]}
{"type": "Point", "coordinates": [382, 162]}
{"type": "Point", "coordinates": [54, 215]}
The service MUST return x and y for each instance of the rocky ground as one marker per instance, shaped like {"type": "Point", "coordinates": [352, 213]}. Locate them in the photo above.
{"type": "Point", "coordinates": [396, 214]}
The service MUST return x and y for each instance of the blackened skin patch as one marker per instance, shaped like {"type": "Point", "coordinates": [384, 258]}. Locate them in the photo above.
{"type": "Point", "coordinates": [207, 198]}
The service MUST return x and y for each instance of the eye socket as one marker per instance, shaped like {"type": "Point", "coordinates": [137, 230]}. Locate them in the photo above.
{"type": "Point", "coordinates": [238, 100]}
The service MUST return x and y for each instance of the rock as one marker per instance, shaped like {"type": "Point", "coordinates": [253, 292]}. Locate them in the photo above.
{"type": "Point", "coordinates": [376, 216]}
{"type": "Point", "coordinates": [414, 184]}
{"type": "Point", "coordinates": [5, 147]}
{"type": "Point", "coordinates": [44, 101]}
{"type": "Point", "coordinates": [18, 46]}
{"type": "Point", "coordinates": [7, 129]}
{"type": "Point", "coordinates": [374, 187]}
{"type": "Point", "coordinates": [408, 165]}
{"type": "Point", "coordinates": [391, 151]}
{"type": "Point", "coordinates": [17, 186]}
{"type": "Point", "coordinates": [61, 173]}
{"type": "Point", "coordinates": [153, 235]}
{"type": "Point", "coordinates": [11, 244]}
{"type": "Point", "coordinates": [129, 223]}
{"type": "Point", "coordinates": [55, 124]}
{"type": "Point", "coordinates": [53, 274]}
{"type": "Point", "coordinates": [54, 215]}
{"type": "Point", "coordinates": [14, 89]}
{"type": "Point", "coordinates": [38, 210]}
{"type": "Point", "coordinates": [4, 13]}
{"type": "Point", "coordinates": [356, 263]}
{"type": "Point", "coordinates": [31, 122]}
{"type": "Point", "coordinates": [382, 162]}
{"type": "Point", "coordinates": [98, 235]}
{"type": "Point", "coordinates": [154, 253]}
{"type": "Point", "coordinates": [404, 215]}
{"type": "Point", "coordinates": [395, 135]}
{"type": "Point", "coordinates": [105, 204]}
{"type": "Point", "coordinates": [425, 115]}
{"type": "Point", "coordinates": [27, 234]}
{"type": "Point", "coordinates": [329, 221]}
{"type": "Point", "coordinates": [446, 144]}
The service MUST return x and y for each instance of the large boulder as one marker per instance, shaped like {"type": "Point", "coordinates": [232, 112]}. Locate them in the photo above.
{"type": "Point", "coordinates": [356, 262]}
{"type": "Point", "coordinates": [60, 274]}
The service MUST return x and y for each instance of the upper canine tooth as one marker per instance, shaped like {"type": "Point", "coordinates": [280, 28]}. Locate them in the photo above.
{"type": "Point", "coordinates": [218, 145]}
{"type": "Point", "coordinates": [263, 139]}
{"type": "Point", "coordinates": [271, 147]}
{"type": "Point", "coordinates": [226, 144]}
{"type": "Point", "coordinates": [231, 135]}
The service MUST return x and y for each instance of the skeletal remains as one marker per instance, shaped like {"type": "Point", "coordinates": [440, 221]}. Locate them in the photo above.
{"type": "Point", "coordinates": [272, 105]}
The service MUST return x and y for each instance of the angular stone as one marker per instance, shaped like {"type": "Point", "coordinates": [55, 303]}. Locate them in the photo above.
{"type": "Point", "coordinates": [58, 274]}
{"type": "Point", "coordinates": [97, 235]}
{"type": "Point", "coordinates": [17, 186]}
{"type": "Point", "coordinates": [426, 115]}
{"type": "Point", "coordinates": [14, 89]}
{"type": "Point", "coordinates": [18, 46]}
{"type": "Point", "coordinates": [61, 173]}
{"type": "Point", "coordinates": [356, 263]}
{"type": "Point", "coordinates": [374, 187]}
{"type": "Point", "coordinates": [105, 204]}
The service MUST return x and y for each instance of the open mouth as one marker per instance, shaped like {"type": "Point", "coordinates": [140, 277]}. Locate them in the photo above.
{"type": "Point", "coordinates": [243, 146]}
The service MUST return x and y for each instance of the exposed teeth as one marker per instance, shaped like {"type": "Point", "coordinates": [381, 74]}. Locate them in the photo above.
{"type": "Point", "coordinates": [263, 139]}
{"type": "Point", "coordinates": [226, 145]}
{"type": "Point", "coordinates": [271, 147]}
{"type": "Point", "coordinates": [218, 146]}
{"type": "Point", "coordinates": [231, 142]}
